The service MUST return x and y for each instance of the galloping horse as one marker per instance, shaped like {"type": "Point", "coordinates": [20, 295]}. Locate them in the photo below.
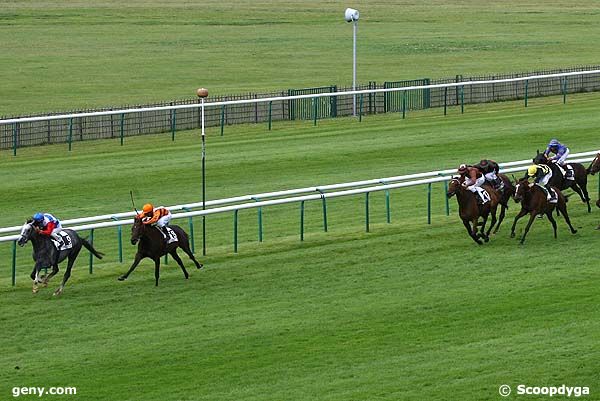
{"type": "Point", "coordinates": [534, 201]}
{"type": "Point", "coordinates": [469, 210]}
{"type": "Point", "coordinates": [45, 254]}
{"type": "Point", "coordinates": [579, 184]}
{"type": "Point", "coordinates": [505, 196]}
{"type": "Point", "coordinates": [151, 244]}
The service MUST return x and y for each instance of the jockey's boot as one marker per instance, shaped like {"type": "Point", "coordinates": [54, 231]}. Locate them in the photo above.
{"type": "Point", "coordinates": [165, 233]}
{"type": "Point", "coordinates": [552, 195]}
{"type": "Point", "coordinates": [499, 184]}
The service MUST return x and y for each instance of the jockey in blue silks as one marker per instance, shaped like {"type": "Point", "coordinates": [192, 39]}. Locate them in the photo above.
{"type": "Point", "coordinates": [560, 152]}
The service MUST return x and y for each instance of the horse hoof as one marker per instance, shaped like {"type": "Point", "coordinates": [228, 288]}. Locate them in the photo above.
{"type": "Point", "coordinates": [57, 293]}
{"type": "Point", "coordinates": [512, 235]}
{"type": "Point", "coordinates": [487, 239]}
{"type": "Point", "coordinates": [121, 278]}
{"type": "Point", "coordinates": [200, 266]}
{"type": "Point", "coordinates": [574, 232]}
{"type": "Point", "coordinates": [35, 290]}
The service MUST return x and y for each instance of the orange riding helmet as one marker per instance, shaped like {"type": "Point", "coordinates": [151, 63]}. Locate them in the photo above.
{"type": "Point", "coordinates": [148, 208]}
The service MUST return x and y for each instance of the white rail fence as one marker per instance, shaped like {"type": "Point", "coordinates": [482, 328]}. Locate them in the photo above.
{"type": "Point", "coordinates": [281, 98]}
{"type": "Point", "coordinates": [256, 202]}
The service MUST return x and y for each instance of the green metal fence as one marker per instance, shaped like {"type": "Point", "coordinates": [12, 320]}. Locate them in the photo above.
{"type": "Point", "coordinates": [309, 109]}
{"type": "Point", "coordinates": [417, 99]}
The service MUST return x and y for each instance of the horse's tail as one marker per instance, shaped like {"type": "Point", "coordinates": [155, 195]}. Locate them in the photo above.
{"type": "Point", "coordinates": [90, 248]}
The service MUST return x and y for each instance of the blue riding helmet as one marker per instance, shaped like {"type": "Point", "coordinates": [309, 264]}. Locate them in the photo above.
{"type": "Point", "coordinates": [554, 142]}
{"type": "Point", "coordinates": [38, 217]}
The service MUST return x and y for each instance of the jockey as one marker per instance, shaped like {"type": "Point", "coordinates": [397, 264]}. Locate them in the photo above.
{"type": "Point", "coordinates": [160, 216]}
{"type": "Point", "coordinates": [542, 175]}
{"type": "Point", "coordinates": [490, 169]}
{"type": "Point", "coordinates": [560, 152]}
{"type": "Point", "coordinates": [474, 179]}
{"type": "Point", "coordinates": [48, 225]}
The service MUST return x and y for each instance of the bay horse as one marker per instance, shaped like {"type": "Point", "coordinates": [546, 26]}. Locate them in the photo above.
{"type": "Point", "coordinates": [151, 244]}
{"type": "Point", "coordinates": [579, 184]}
{"type": "Point", "coordinates": [470, 211]}
{"type": "Point", "coordinates": [45, 254]}
{"type": "Point", "coordinates": [505, 195]}
{"type": "Point", "coordinates": [534, 201]}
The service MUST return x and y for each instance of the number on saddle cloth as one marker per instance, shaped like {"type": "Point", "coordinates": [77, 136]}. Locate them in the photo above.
{"type": "Point", "coordinates": [172, 235]}
{"type": "Point", "coordinates": [67, 243]}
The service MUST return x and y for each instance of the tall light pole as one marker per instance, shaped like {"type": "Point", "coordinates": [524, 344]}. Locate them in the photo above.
{"type": "Point", "coordinates": [352, 15]}
{"type": "Point", "coordinates": [202, 94]}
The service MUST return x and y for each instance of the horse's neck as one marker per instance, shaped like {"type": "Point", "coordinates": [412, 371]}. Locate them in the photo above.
{"type": "Point", "coordinates": [40, 243]}
{"type": "Point", "coordinates": [465, 198]}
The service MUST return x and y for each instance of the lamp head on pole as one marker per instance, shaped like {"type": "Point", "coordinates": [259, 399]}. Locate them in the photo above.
{"type": "Point", "coordinates": [351, 15]}
{"type": "Point", "coordinates": [202, 92]}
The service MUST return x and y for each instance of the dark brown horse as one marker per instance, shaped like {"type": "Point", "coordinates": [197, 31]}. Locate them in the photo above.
{"type": "Point", "coordinates": [579, 184]}
{"type": "Point", "coordinates": [534, 201]}
{"type": "Point", "coordinates": [151, 244]}
{"type": "Point", "coordinates": [470, 211]}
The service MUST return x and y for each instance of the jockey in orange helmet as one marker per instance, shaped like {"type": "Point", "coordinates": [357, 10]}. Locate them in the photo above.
{"type": "Point", "coordinates": [160, 217]}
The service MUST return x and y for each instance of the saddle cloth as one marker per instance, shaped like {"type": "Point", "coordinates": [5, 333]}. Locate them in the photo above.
{"type": "Point", "coordinates": [568, 172]}
{"type": "Point", "coordinates": [172, 236]}
{"type": "Point", "coordinates": [67, 243]}
{"type": "Point", "coordinates": [484, 197]}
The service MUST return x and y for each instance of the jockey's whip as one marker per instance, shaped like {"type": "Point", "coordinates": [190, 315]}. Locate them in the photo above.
{"type": "Point", "coordinates": [132, 202]}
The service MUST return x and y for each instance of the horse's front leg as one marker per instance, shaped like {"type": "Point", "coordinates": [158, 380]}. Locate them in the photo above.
{"type": "Point", "coordinates": [136, 262]}
{"type": "Point", "coordinates": [522, 213]}
{"type": "Point", "coordinates": [36, 278]}
{"type": "Point", "coordinates": [156, 270]}
{"type": "Point", "coordinates": [49, 276]}
{"type": "Point", "coordinates": [472, 231]}
{"type": "Point", "coordinates": [532, 216]}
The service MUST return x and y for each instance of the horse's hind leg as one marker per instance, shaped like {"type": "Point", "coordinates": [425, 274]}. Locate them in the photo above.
{"type": "Point", "coordinates": [177, 259]}
{"type": "Point", "coordinates": [67, 274]}
{"type": "Point", "coordinates": [563, 210]}
{"type": "Point", "coordinates": [185, 246]}
{"type": "Point", "coordinates": [583, 194]}
{"type": "Point", "coordinates": [500, 218]}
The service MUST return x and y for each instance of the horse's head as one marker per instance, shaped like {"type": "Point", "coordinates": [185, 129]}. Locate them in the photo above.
{"type": "Point", "coordinates": [137, 230]}
{"type": "Point", "coordinates": [595, 166]}
{"type": "Point", "coordinates": [521, 188]}
{"type": "Point", "coordinates": [26, 231]}
{"type": "Point", "coordinates": [453, 186]}
{"type": "Point", "coordinates": [540, 158]}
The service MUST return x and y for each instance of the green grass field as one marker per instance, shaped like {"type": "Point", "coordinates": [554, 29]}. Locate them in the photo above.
{"type": "Point", "coordinates": [409, 311]}
{"type": "Point", "coordinates": [59, 55]}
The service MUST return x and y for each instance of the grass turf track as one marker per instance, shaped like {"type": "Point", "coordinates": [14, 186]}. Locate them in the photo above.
{"type": "Point", "coordinates": [62, 55]}
{"type": "Point", "coordinates": [406, 312]}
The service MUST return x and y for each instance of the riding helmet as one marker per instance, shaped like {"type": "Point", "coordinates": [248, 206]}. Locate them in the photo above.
{"type": "Point", "coordinates": [148, 208]}
{"type": "Point", "coordinates": [462, 168]}
{"type": "Point", "coordinates": [532, 170]}
{"type": "Point", "coordinates": [38, 217]}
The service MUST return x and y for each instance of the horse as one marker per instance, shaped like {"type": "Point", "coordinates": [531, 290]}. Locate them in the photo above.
{"type": "Point", "coordinates": [46, 255]}
{"type": "Point", "coordinates": [151, 244]}
{"type": "Point", "coordinates": [470, 211]}
{"type": "Point", "coordinates": [594, 166]}
{"type": "Point", "coordinates": [505, 196]}
{"type": "Point", "coordinates": [534, 201]}
{"type": "Point", "coordinates": [579, 184]}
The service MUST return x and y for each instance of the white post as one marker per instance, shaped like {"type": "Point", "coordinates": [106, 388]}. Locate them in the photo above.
{"type": "Point", "coordinates": [354, 68]}
{"type": "Point", "coordinates": [352, 15]}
